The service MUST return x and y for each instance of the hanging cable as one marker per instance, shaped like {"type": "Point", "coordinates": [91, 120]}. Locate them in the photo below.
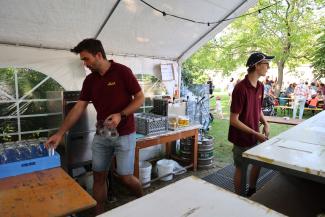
{"type": "Point", "coordinates": [164, 13]}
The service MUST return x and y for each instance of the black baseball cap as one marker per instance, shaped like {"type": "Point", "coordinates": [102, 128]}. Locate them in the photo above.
{"type": "Point", "coordinates": [256, 58]}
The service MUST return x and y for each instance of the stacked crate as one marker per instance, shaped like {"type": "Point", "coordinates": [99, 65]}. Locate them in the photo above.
{"type": "Point", "coordinates": [148, 124]}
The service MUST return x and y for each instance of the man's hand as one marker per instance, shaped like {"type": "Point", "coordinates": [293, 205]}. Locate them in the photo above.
{"type": "Point", "coordinates": [113, 120]}
{"type": "Point", "coordinates": [53, 141]}
{"type": "Point", "coordinates": [266, 130]}
{"type": "Point", "coordinates": [261, 137]}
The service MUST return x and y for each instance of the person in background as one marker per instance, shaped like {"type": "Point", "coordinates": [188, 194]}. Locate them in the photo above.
{"type": "Point", "coordinates": [312, 89]}
{"type": "Point", "coordinates": [219, 108]}
{"type": "Point", "coordinates": [301, 94]}
{"type": "Point", "coordinates": [321, 93]}
{"type": "Point", "coordinates": [312, 103]}
{"type": "Point", "coordinates": [290, 90]}
{"type": "Point", "coordinates": [269, 89]}
{"type": "Point", "coordinates": [116, 95]}
{"type": "Point", "coordinates": [246, 115]}
{"type": "Point", "coordinates": [320, 88]}
{"type": "Point", "coordinates": [230, 88]}
{"type": "Point", "coordinates": [211, 86]}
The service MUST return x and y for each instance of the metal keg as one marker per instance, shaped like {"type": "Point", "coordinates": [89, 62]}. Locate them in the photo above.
{"type": "Point", "coordinates": [186, 144]}
{"type": "Point", "coordinates": [205, 153]}
{"type": "Point", "coordinates": [186, 147]}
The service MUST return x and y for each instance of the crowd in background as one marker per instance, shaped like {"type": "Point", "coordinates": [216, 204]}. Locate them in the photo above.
{"type": "Point", "coordinates": [301, 95]}
{"type": "Point", "coordinates": [297, 95]}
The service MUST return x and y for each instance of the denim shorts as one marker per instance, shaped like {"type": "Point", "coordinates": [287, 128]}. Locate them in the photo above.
{"type": "Point", "coordinates": [103, 151]}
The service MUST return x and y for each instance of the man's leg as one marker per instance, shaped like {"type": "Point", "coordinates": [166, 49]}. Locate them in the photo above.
{"type": "Point", "coordinates": [102, 154]}
{"type": "Point", "coordinates": [254, 174]}
{"type": "Point", "coordinates": [237, 180]}
{"type": "Point", "coordinates": [133, 184]}
{"type": "Point", "coordinates": [238, 161]}
{"type": "Point", "coordinates": [125, 151]}
{"type": "Point", "coordinates": [100, 190]}
{"type": "Point", "coordinates": [301, 107]}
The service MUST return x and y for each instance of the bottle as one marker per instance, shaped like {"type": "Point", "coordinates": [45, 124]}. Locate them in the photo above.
{"type": "Point", "coordinates": [175, 95]}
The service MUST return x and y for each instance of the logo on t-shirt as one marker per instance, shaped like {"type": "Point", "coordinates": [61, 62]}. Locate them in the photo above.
{"type": "Point", "coordinates": [111, 83]}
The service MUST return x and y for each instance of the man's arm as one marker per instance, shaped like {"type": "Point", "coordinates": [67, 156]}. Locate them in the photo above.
{"type": "Point", "coordinates": [235, 122]}
{"type": "Point", "coordinates": [115, 119]}
{"type": "Point", "coordinates": [68, 122]}
{"type": "Point", "coordinates": [266, 128]}
{"type": "Point", "coordinates": [135, 104]}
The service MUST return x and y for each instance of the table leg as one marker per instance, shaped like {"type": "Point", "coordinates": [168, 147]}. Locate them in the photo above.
{"type": "Point", "coordinates": [136, 162]}
{"type": "Point", "coordinates": [195, 150]}
{"type": "Point", "coordinates": [168, 149]}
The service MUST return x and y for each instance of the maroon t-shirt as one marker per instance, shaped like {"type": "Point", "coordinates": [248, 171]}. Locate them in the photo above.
{"type": "Point", "coordinates": [247, 102]}
{"type": "Point", "coordinates": [112, 93]}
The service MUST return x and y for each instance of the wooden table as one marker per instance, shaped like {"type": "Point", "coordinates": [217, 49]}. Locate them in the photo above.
{"type": "Point", "coordinates": [191, 197]}
{"type": "Point", "coordinates": [282, 120]}
{"type": "Point", "coordinates": [166, 138]}
{"type": "Point", "coordinates": [299, 151]}
{"type": "Point", "coordinates": [49, 192]}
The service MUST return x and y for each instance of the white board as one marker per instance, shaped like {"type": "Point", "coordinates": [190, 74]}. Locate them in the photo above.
{"type": "Point", "coordinates": [167, 72]}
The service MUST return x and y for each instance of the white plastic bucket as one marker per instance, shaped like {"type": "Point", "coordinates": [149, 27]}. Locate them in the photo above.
{"type": "Point", "coordinates": [164, 167]}
{"type": "Point", "coordinates": [145, 172]}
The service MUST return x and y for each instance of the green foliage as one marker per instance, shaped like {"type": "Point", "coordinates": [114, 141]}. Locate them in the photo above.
{"type": "Point", "coordinates": [27, 80]}
{"type": "Point", "coordinates": [193, 69]}
{"type": "Point", "coordinates": [287, 30]}
{"type": "Point", "coordinates": [319, 57]}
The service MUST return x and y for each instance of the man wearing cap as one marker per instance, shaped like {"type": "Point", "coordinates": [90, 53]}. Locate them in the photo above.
{"type": "Point", "coordinates": [245, 116]}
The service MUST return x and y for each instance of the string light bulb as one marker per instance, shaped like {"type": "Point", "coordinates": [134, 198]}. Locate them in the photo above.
{"type": "Point", "coordinates": [207, 23]}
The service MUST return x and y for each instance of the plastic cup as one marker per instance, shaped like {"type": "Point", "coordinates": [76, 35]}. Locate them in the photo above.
{"type": "Point", "coordinates": [109, 133]}
{"type": "Point", "coordinates": [11, 155]}
{"type": "Point", "coordinates": [41, 150]}
{"type": "Point", "coordinates": [23, 151]}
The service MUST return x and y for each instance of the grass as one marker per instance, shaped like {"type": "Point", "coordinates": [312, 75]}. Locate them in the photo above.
{"type": "Point", "coordinates": [219, 130]}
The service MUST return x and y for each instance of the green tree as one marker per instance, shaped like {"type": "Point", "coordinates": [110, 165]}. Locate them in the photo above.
{"type": "Point", "coordinates": [319, 57]}
{"type": "Point", "coordinates": [27, 80]}
{"type": "Point", "coordinates": [193, 69]}
{"type": "Point", "coordinates": [286, 30]}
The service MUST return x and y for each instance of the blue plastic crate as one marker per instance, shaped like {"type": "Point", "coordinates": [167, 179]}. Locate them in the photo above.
{"type": "Point", "coordinates": [30, 165]}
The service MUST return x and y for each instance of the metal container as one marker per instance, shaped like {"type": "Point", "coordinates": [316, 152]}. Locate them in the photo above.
{"type": "Point", "coordinates": [76, 148]}
{"type": "Point", "coordinates": [205, 151]}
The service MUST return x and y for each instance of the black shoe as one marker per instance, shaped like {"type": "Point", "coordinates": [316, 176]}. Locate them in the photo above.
{"type": "Point", "coordinates": [250, 192]}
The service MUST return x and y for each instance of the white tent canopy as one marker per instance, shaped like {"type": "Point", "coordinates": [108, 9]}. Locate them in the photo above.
{"type": "Point", "coordinates": [39, 34]}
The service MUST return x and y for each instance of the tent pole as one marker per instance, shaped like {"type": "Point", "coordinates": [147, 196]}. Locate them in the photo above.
{"type": "Point", "coordinates": [107, 18]}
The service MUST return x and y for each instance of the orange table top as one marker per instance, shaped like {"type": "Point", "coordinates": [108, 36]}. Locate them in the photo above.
{"type": "Point", "coordinates": [49, 192]}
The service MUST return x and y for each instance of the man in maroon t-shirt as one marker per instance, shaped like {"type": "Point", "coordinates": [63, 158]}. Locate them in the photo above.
{"type": "Point", "coordinates": [116, 95]}
{"type": "Point", "coordinates": [245, 116]}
